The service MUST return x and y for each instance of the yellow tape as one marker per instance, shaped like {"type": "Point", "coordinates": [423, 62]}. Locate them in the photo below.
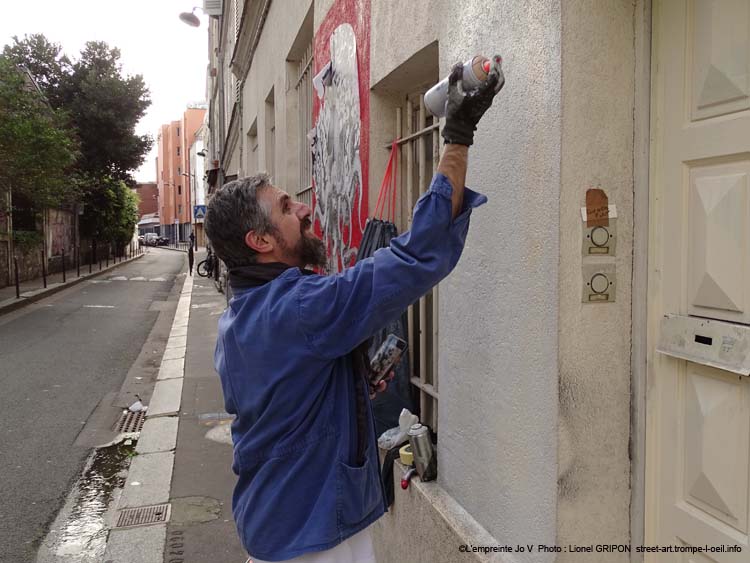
{"type": "Point", "coordinates": [406, 455]}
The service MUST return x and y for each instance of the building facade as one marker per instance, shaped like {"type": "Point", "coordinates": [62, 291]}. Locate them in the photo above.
{"type": "Point", "coordinates": [148, 197]}
{"type": "Point", "coordinates": [173, 174]}
{"type": "Point", "coordinates": [198, 183]}
{"type": "Point", "coordinates": [579, 366]}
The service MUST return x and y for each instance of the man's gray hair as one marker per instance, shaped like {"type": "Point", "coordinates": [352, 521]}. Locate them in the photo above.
{"type": "Point", "coordinates": [233, 211]}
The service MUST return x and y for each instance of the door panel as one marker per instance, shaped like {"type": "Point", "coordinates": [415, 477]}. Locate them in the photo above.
{"type": "Point", "coordinates": [718, 245]}
{"type": "Point", "coordinates": [719, 44]}
{"type": "Point", "coordinates": [698, 417]}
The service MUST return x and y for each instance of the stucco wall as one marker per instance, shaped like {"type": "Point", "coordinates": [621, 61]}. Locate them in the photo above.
{"type": "Point", "coordinates": [498, 310]}
{"type": "Point", "coordinates": [427, 525]}
{"type": "Point", "coordinates": [269, 70]}
{"type": "Point", "coordinates": [595, 340]}
{"type": "Point", "coordinates": [321, 8]}
{"type": "Point", "coordinates": [402, 29]}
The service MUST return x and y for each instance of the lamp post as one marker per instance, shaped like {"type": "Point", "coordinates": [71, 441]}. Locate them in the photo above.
{"type": "Point", "coordinates": [192, 20]}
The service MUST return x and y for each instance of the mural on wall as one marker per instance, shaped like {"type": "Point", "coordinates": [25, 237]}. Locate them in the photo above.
{"type": "Point", "coordinates": [337, 167]}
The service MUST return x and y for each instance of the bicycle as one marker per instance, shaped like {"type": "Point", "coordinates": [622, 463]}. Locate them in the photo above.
{"type": "Point", "coordinates": [206, 267]}
{"type": "Point", "coordinates": [213, 267]}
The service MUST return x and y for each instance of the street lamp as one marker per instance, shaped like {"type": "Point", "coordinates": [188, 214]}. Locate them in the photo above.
{"type": "Point", "coordinates": [190, 18]}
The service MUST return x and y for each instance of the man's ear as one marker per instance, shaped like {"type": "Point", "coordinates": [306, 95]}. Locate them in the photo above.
{"type": "Point", "coordinates": [262, 244]}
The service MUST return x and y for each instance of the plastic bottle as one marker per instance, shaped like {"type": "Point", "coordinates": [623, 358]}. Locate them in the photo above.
{"type": "Point", "coordinates": [476, 71]}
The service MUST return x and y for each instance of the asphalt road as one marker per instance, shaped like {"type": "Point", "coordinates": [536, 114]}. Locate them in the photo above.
{"type": "Point", "coordinates": [58, 359]}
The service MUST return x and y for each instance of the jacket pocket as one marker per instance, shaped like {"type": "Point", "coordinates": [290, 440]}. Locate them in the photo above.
{"type": "Point", "coordinates": [358, 493]}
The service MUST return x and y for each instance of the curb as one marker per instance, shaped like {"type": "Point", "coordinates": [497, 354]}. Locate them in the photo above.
{"type": "Point", "coordinates": [33, 295]}
{"type": "Point", "coordinates": [149, 479]}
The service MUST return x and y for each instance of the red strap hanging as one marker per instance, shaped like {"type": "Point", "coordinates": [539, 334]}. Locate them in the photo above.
{"type": "Point", "coordinates": [388, 184]}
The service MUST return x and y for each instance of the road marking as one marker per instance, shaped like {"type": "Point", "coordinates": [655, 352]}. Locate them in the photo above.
{"type": "Point", "coordinates": [99, 306]}
{"type": "Point", "coordinates": [136, 279]}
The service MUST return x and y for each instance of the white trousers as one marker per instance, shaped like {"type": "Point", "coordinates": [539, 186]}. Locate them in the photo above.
{"type": "Point", "coordinates": [356, 549]}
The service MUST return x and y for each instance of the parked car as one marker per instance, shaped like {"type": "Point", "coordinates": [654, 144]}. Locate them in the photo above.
{"type": "Point", "coordinates": [162, 241]}
{"type": "Point", "coordinates": [151, 239]}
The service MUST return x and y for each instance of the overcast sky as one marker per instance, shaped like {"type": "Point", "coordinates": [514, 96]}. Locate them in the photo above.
{"type": "Point", "coordinates": [171, 55]}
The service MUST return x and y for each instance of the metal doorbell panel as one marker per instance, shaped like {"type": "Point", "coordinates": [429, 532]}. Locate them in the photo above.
{"type": "Point", "coordinates": [600, 240]}
{"type": "Point", "coordinates": [599, 282]}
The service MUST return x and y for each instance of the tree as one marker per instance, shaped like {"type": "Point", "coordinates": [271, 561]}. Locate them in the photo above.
{"type": "Point", "coordinates": [112, 214]}
{"type": "Point", "coordinates": [45, 61]}
{"type": "Point", "coordinates": [37, 148]}
{"type": "Point", "coordinates": [104, 105]}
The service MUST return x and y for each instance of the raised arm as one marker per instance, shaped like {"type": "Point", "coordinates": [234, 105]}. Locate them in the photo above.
{"type": "Point", "coordinates": [463, 112]}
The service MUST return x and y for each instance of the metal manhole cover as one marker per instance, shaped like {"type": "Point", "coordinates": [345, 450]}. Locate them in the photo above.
{"type": "Point", "coordinates": [130, 422]}
{"type": "Point", "coordinates": [144, 515]}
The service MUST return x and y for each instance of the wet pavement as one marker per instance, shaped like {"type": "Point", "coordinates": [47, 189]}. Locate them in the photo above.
{"type": "Point", "coordinates": [79, 534]}
{"type": "Point", "coordinates": [63, 363]}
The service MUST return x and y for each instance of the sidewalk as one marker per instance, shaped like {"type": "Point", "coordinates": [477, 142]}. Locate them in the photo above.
{"type": "Point", "coordinates": [33, 290]}
{"type": "Point", "coordinates": [184, 450]}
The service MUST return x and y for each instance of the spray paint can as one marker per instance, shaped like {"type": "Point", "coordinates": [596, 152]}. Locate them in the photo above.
{"type": "Point", "coordinates": [425, 459]}
{"type": "Point", "coordinates": [475, 72]}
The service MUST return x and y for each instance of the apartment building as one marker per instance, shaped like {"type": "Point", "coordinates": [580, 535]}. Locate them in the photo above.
{"type": "Point", "coordinates": [173, 173]}
{"type": "Point", "coordinates": [198, 182]}
{"type": "Point", "coordinates": [585, 367]}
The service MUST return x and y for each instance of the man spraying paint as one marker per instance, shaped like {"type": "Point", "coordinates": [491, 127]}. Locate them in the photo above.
{"type": "Point", "coordinates": [305, 449]}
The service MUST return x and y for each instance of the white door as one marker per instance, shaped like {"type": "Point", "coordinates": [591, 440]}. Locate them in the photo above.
{"type": "Point", "coordinates": [698, 417]}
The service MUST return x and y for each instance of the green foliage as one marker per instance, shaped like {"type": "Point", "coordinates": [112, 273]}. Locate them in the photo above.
{"type": "Point", "coordinates": [27, 241]}
{"type": "Point", "coordinates": [106, 108]}
{"type": "Point", "coordinates": [46, 63]}
{"type": "Point", "coordinates": [103, 107]}
{"type": "Point", "coordinates": [37, 148]}
{"type": "Point", "coordinates": [111, 213]}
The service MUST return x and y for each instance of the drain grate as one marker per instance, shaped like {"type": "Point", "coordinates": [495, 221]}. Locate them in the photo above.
{"type": "Point", "coordinates": [130, 422]}
{"type": "Point", "coordinates": [144, 515]}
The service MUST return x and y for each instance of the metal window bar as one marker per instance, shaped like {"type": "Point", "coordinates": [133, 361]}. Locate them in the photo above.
{"type": "Point", "coordinates": [237, 9]}
{"type": "Point", "coordinates": [420, 148]}
{"type": "Point", "coordinates": [304, 89]}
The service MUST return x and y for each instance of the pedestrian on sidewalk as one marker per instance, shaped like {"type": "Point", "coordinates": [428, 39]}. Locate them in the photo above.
{"type": "Point", "coordinates": [305, 449]}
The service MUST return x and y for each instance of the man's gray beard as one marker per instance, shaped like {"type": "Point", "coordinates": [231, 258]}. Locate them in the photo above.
{"type": "Point", "coordinates": [312, 251]}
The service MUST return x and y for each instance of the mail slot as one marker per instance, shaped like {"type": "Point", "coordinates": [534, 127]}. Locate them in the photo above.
{"type": "Point", "coordinates": [717, 344]}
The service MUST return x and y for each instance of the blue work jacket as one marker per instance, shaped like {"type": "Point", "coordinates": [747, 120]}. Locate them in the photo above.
{"type": "Point", "coordinates": [283, 355]}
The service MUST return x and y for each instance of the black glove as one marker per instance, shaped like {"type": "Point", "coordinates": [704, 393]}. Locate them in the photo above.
{"type": "Point", "coordinates": [465, 109]}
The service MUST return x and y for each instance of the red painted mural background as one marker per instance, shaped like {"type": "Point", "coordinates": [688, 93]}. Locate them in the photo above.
{"type": "Point", "coordinates": [357, 14]}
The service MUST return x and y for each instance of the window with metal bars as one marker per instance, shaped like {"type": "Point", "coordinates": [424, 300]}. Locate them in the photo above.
{"type": "Point", "coordinates": [419, 147]}
{"type": "Point", "coordinates": [252, 148]}
{"type": "Point", "coordinates": [304, 90]}
{"type": "Point", "coordinates": [270, 139]}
